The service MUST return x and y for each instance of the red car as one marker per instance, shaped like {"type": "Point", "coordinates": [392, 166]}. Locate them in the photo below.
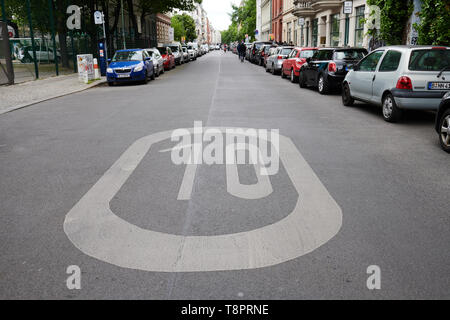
{"type": "Point", "coordinates": [291, 66]}
{"type": "Point", "coordinates": [168, 57]}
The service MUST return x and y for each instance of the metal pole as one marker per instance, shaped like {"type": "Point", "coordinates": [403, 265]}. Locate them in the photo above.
{"type": "Point", "coordinates": [52, 25]}
{"type": "Point", "coordinates": [74, 57]}
{"type": "Point", "coordinates": [106, 40]}
{"type": "Point", "coordinates": [36, 69]}
{"type": "Point", "coordinates": [123, 27]}
{"type": "Point", "coordinates": [3, 10]}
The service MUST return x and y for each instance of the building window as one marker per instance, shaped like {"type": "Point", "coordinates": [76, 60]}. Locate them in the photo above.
{"type": "Point", "coordinates": [334, 33]}
{"type": "Point", "coordinates": [315, 32]}
{"type": "Point", "coordinates": [302, 37]}
{"type": "Point", "coordinates": [359, 26]}
{"type": "Point", "coordinates": [307, 33]}
{"type": "Point", "coordinates": [289, 33]}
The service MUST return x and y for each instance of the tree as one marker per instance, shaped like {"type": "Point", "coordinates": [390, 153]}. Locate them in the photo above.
{"type": "Point", "coordinates": [184, 26]}
{"type": "Point", "coordinates": [434, 26]}
{"type": "Point", "coordinates": [393, 20]}
{"type": "Point", "coordinates": [243, 21]}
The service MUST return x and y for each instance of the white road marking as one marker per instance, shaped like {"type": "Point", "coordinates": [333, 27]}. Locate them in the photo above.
{"type": "Point", "coordinates": [98, 232]}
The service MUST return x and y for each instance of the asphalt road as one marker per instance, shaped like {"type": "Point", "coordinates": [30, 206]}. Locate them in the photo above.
{"type": "Point", "coordinates": [390, 183]}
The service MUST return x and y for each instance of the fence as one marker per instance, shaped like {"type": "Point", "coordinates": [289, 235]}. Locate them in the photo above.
{"type": "Point", "coordinates": [6, 67]}
{"type": "Point", "coordinates": [45, 36]}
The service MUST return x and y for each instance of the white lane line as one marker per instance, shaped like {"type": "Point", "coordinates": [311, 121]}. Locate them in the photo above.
{"type": "Point", "coordinates": [98, 232]}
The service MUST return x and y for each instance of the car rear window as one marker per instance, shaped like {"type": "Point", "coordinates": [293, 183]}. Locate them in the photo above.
{"type": "Point", "coordinates": [323, 55]}
{"type": "Point", "coordinates": [350, 55]}
{"type": "Point", "coordinates": [429, 60]}
{"type": "Point", "coordinates": [162, 50]}
{"type": "Point", "coordinates": [285, 51]}
{"type": "Point", "coordinates": [307, 54]}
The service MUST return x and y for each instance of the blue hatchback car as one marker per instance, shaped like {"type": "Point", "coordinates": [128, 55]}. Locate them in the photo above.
{"type": "Point", "coordinates": [130, 65]}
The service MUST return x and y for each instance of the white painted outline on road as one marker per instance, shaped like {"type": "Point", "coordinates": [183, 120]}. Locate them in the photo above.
{"type": "Point", "coordinates": [95, 230]}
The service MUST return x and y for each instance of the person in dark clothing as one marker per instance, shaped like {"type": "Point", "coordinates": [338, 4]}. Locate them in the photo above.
{"type": "Point", "coordinates": [241, 50]}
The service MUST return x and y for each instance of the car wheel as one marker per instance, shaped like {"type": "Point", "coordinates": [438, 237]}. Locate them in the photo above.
{"type": "Point", "coordinates": [145, 78]}
{"type": "Point", "coordinates": [283, 75]}
{"type": "Point", "coordinates": [302, 80]}
{"type": "Point", "coordinates": [273, 70]}
{"type": "Point", "coordinates": [322, 85]}
{"type": "Point", "coordinates": [163, 70]}
{"type": "Point", "coordinates": [444, 134]}
{"type": "Point", "coordinates": [347, 99]}
{"type": "Point", "coordinates": [153, 77]}
{"type": "Point", "coordinates": [391, 113]}
{"type": "Point", "coordinates": [293, 77]}
{"type": "Point", "coordinates": [110, 83]}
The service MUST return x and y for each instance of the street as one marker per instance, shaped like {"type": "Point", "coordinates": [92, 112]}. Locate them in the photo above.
{"type": "Point", "coordinates": [383, 187]}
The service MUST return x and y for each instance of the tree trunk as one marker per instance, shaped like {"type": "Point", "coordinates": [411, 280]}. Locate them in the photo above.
{"type": "Point", "coordinates": [62, 33]}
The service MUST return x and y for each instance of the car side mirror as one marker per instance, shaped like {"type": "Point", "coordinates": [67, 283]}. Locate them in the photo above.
{"type": "Point", "coordinates": [148, 59]}
{"type": "Point", "coordinates": [308, 60]}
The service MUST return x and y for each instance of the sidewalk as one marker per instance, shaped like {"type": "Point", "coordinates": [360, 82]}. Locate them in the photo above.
{"type": "Point", "coordinates": [32, 92]}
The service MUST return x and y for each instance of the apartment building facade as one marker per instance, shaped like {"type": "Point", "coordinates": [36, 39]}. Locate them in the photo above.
{"type": "Point", "coordinates": [329, 23]}
{"type": "Point", "coordinates": [290, 30]}
{"type": "Point", "coordinates": [266, 19]}
{"type": "Point", "coordinates": [277, 20]}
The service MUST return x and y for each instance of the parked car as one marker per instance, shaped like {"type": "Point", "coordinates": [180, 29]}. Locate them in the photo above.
{"type": "Point", "coordinates": [130, 65]}
{"type": "Point", "coordinates": [443, 123]}
{"type": "Point", "coordinates": [157, 59]}
{"type": "Point", "coordinates": [43, 54]}
{"type": "Point", "coordinates": [293, 63]}
{"type": "Point", "coordinates": [275, 61]}
{"type": "Point", "coordinates": [192, 52]}
{"type": "Point", "coordinates": [399, 78]}
{"type": "Point", "coordinates": [254, 50]}
{"type": "Point", "coordinates": [248, 50]}
{"type": "Point", "coordinates": [262, 52]}
{"type": "Point", "coordinates": [186, 57]}
{"type": "Point", "coordinates": [268, 52]}
{"type": "Point", "coordinates": [327, 68]}
{"type": "Point", "coordinates": [168, 57]}
{"type": "Point", "coordinates": [177, 51]}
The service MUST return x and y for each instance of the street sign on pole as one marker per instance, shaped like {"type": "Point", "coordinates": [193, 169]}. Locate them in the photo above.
{"type": "Point", "coordinates": [98, 17]}
{"type": "Point", "coordinates": [348, 7]}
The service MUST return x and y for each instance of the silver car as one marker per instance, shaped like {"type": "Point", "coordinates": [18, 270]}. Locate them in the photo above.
{"type": "Point", "coordinates": [158, 61]}
{"type": "Point", "coordinates": [398, 78]}
{"type": "Point", "coordinates": [276, 58]}
{"type": "Point", "coordinates": [186, 57]}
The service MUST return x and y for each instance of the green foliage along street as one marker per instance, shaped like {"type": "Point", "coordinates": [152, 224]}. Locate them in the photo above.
{"type": "Point", "coordinates": [184, 26]}
{"type": "Point", "coordinates": [243, 22]}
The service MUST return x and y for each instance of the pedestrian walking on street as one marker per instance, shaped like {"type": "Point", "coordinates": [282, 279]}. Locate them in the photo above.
{"type": "Point", "coordinates": [241, 50]}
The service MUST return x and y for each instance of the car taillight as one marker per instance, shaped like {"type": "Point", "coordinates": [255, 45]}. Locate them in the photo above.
{"type": "Point", "coordinates": [280, 57]}
{"type": "Point", "coordinates": [404, 83]}
{"type": "Point", "coordinates": [332, 67]}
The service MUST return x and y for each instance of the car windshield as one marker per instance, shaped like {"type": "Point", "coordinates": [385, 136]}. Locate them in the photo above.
{"type": "Point", "coordinates": [306, 54]}
{"type": "Point", "coordinates": [175, 48]}
{"type": "Point", "coordinates": [190, 48]}
{"type": "Point", "coordinates": [127, 56]}
{"type": "Point", "coordinates": [429, 60]}
{"type": "Point", "coordinates": [349, 55]}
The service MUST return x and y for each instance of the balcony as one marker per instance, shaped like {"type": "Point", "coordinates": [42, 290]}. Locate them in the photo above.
{"type": "Point", "coordinates": [326, 4]}
{"type": "Point", "coordinates": [304, 8]}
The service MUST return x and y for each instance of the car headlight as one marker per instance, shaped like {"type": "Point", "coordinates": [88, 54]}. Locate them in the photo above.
{"type": "Point", "coordinates": [138, 68]}
{"type": "Point", "coordinates": [109, 70]}
{"type": "Point", "coordinates": [447, 95]}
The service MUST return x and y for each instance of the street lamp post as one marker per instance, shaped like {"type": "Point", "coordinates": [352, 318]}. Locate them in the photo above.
{"type": "Point", "coordinates": [123, 26]}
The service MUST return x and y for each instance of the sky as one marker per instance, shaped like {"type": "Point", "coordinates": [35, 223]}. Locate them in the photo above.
{"type": "Point", "coordinates": [218, 11]}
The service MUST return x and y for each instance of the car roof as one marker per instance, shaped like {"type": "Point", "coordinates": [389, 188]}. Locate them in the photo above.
{"type": "Point", "coordinates": [128, 50]}
{"type": "Point", "coordinates": [411, 47]}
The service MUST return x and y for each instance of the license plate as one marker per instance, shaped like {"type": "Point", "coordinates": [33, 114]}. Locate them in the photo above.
{"type": "Point", "coordinates": [439, 86]}
{"type": "Point", "coordinates": [123, 76]}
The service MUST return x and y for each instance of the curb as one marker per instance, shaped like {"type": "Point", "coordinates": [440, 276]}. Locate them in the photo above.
{"type": "Point", "coordinates": [30, 103]}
